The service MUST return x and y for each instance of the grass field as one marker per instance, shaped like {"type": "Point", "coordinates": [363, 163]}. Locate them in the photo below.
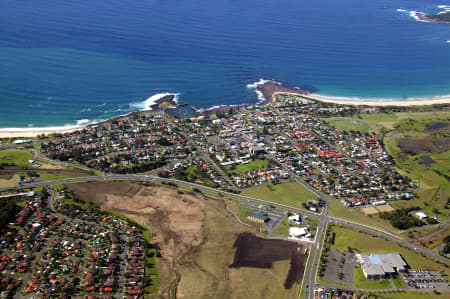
{"type": "Point", "coordinates": [288, 193]}
{"type": "Point", "coordinates": [433, 183]}
{"type": "Point", "coordinates": [151, 266]}
{"type": "Point", "coordinates": [339, 211]}
{"type": "Point", "coordinates": [197, 175]}
{"type": "Point", "coordinates": [384, 119]}
{"type": "Point", "coordinates": [9, 180]}
{"type": "Point", "coordinates": [18, 157]}
{"type": "Point", "coordinates": [246, 168]}
{"type": "Point", "coordinates": [59, 175]}
{"type": "Point", "coordinates": [322, 281]}
{"type": "Point", "coordinates": [382, 284]}
{"type": "Point", "coordinates": [205, 273]}
{"type": "Point", "coordinates": [398, 282]}
{"type": "Point", "coordinates": [389, 120]}
{"type": "Point", "coordinates": [347, 125]}
{"type": "Point", "coordinates": [415, 295]}
{"type": "Point", "coordinates": [358, 275]}
{"type": "Point", "coordinates": [365, 243]}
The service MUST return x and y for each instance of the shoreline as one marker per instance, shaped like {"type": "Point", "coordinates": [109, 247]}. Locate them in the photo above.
{"type": "Point", "coordinates": [155, 105]}
{"type": "Point", "coordinates": [266, 90]}
{"type": "Point", "coordinates": [33, 132]}
{"type": "Point", "coordinates": [380, 103]}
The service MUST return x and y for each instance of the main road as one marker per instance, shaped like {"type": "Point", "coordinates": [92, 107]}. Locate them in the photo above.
{"type": "Point", "coordinates": [316, 249]}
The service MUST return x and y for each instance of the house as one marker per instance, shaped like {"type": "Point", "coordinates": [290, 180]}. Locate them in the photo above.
{"type": "Point", "coordinates": [377, 266]}
{"type": "Point", "coordinates": [295, 219]}
{"type": "Point", "coordinates": [421, 215]}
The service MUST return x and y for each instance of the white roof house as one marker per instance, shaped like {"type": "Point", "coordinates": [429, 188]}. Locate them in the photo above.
{"type": "Point", "coordinates": [295, 219]}
{"type": "Point", "coordinates": [299, 232]}
{"type": "Point", "coordinates": [421, 215]}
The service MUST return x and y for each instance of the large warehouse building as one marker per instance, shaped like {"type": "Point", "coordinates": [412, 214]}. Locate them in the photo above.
{"type": "Point", "coordinates": [376, 266]}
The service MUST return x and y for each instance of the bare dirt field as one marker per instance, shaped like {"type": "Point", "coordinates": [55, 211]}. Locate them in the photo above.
{"type": "Point", "coordinates": [385, 208]}
{"type": "Point", "coordinates": [175, 220]}
{"type": "Point", "coordinates": [253, 251]}
{"type": "Point", "coordinates": [195, 235]}
{"type": "Point", "coordinates": [370, 211]}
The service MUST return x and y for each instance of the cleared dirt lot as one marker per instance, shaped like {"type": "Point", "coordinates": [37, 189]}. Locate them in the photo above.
{"type": "Point", "coordinates": [176, 220]}
{"type": "Point", "coordinates": [385, 208]}
{"type": "Point", "coordinates": [253, 251]}
{"type": "Point", "coordinates": [196, 235]}
{"type": "Point", "coordinates": [369, 211]}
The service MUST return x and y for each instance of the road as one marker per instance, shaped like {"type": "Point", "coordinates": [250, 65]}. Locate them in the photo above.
{"type": "Point", "coordinates": [324, 218]}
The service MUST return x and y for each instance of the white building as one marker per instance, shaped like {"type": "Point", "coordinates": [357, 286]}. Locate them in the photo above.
{"type": "Point", "coordinates": [299, 232]}
{"type": "Point", "coordinates": [421, 215]}
{"type": "Point", "coordinates": [295, 219]}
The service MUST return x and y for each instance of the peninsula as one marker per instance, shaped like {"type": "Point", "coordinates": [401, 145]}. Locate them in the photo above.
{"type": "Point", "coordinates": [441, 17]}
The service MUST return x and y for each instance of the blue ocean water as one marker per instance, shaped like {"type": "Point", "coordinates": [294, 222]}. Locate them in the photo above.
{"type": "Point", "coordinates": [68, 61]}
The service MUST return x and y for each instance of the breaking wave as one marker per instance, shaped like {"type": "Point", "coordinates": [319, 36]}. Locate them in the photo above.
{"type": "Point", "coordinates": [148, 103]}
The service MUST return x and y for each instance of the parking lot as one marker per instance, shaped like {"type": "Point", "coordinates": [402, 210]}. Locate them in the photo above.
{"type": "Point", "coordinates": [425, 280]}
{"type": "Point", "coordinates": [340, 266]}
{"type": "Point", "coordinates": [274, 217]}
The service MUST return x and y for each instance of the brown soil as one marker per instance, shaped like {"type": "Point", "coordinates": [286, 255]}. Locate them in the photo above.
{"type": "Point", "coordinates": [176, 220]}
{"type": "Point", "coordinates": [195, 236]}
{"type": "Point", "coordinates": [256, 252]}
{"type": "Point", "coordinates": [414, 146]}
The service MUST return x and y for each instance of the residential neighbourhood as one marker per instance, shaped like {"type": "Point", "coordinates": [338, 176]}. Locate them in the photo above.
{"type": "Point", "coordinates": [265, 144]}
{"type": "Point", "coordinates": [283, 168]}
{"type": "Point", "coordinates": [55, 247]}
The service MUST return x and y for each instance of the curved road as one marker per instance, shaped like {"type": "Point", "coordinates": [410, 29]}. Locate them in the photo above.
{"type": "Point", "coordinates": [316, 249]}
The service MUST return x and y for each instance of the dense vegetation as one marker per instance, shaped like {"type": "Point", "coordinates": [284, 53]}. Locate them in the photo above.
{"type": "Point", "coordinates": [446, 249]}
{"type": "Point", "coordinates": [401, 218]}
{"type": "Point", "coordinates": [7, 212]}
{"type": "Point", "coordinates": [194, 174]}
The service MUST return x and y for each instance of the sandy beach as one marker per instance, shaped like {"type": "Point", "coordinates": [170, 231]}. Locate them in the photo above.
{"type": "Point", "coordinates": [268, 89]}
{"type": "Point", "coordinates": [412, 102]}
{"type": "Point", "coordinates": [271, 89]}
{"type": "Point", "coordinates": [33, 132]}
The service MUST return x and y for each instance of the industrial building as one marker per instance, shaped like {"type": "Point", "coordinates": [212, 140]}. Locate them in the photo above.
{"type": "Point", "coordinates": [377, 266]}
